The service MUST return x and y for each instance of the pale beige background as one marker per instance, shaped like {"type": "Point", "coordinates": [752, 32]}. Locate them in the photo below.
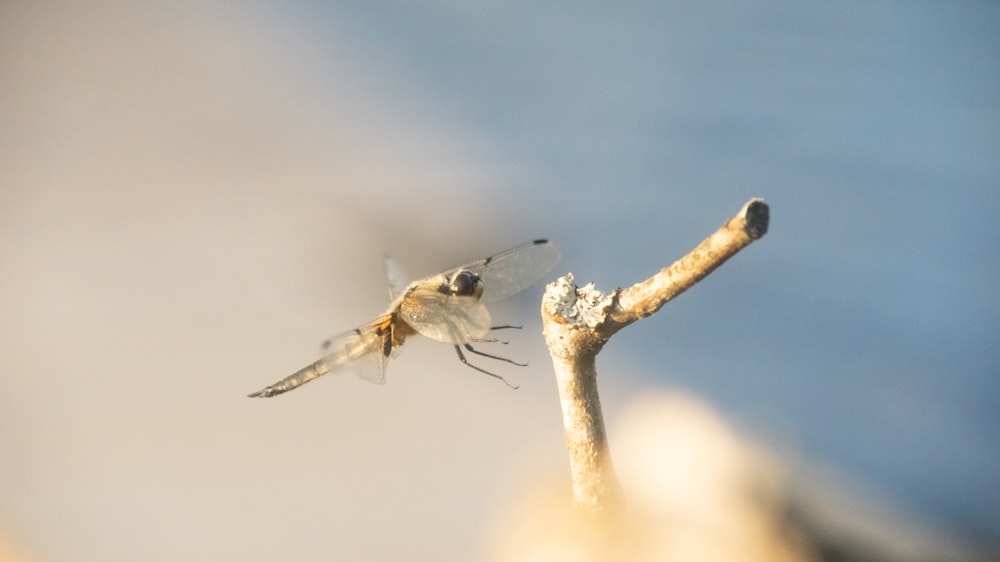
{"type": "Point", "coordinates": [182, 221]}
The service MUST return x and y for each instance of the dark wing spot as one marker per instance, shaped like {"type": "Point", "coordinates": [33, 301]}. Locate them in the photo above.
{"type": "Point", "coordinates": [386, 342]}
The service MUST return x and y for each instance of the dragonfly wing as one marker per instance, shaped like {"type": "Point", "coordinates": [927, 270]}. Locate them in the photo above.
{"type": "Point", "coordinates": [398, 280]}
{"type": "Point", "coordinates": [513, 270]}
{"type": "Point", "coordinates": [442, 316]}
{"type": "Point", "coordinates": [364, 351]}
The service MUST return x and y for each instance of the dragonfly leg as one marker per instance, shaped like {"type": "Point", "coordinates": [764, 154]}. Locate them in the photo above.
{"type": "Point", "coordinates": [491, 356]}
{"type": "Point", "coordinates": [461, 357]}
{"type": "Point", "coordinates": [490, 340]}
{"type": "Point", "coordinates": [494, 340]}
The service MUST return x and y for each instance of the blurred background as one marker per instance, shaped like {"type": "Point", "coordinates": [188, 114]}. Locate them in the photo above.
{"type": "Point", "coordinates": [193, 196]}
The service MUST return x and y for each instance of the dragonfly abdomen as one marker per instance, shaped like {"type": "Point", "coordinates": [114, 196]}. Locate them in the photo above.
{"type": "Point", "coordinates": [314, 370]}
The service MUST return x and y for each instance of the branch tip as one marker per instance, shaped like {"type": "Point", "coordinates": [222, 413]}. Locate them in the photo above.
{"type": "Point", "coordinates": [757, 215]}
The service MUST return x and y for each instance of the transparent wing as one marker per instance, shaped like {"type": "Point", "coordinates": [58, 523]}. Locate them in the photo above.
{"type": "Point", "coordinates": [433, 312]}
{"type": "Point", "coordinates": [444, 317]}
{"type": "Point", "coordinates": [398, 280]}
{"type": "Point", "coordinates": [363, 351]}
{"type": "Point", "coordinates": [513, 270]}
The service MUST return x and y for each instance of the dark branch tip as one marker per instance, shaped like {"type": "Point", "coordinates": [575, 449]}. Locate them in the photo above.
{"type": "Point", "coordinates": [757, 216]}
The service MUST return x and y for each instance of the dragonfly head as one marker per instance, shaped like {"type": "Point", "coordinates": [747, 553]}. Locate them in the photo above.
{"type": "Point", "coordinates": [466, 284]}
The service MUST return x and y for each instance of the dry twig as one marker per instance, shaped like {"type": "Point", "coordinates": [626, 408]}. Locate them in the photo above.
{"type": "Point", "coordinates": [577, 322]}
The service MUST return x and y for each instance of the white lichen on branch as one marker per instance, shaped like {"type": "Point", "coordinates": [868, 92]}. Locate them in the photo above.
{"type": "Point", "coordinates": [586, 306]}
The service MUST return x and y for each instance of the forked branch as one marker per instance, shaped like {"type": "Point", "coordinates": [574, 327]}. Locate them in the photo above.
{"type": "Point", "coordinates": [577, 322]}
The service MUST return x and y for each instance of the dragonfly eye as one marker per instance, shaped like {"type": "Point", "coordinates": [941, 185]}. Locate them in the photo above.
{"type": "Point", "coordinates": [466, 284]}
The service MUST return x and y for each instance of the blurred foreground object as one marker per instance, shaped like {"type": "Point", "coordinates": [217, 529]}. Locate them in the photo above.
{"type": "Point", "coordinates": [695, 490]}
{"type": "Point", "coordinates": [699, 489]}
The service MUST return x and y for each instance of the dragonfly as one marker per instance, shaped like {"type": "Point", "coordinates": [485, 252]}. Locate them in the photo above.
{"type": "Point", "coordinates": [449, 307]}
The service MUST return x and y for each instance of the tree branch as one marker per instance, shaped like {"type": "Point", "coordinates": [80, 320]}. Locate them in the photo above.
{"type": "Point", "coordinates": [577, 322]}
